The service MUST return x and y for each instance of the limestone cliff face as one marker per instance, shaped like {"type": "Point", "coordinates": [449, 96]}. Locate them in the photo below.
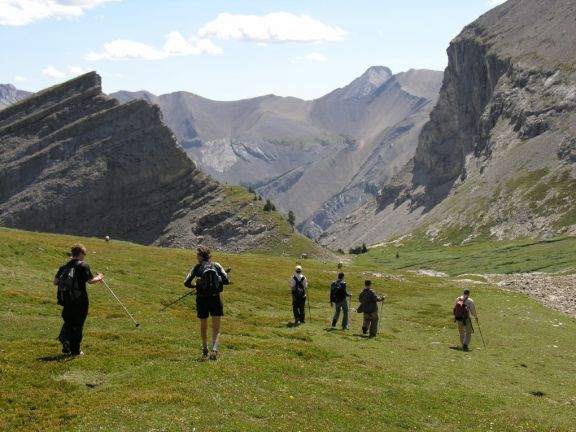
{"type": "Point", "coordinates": [496, 158]}
{"type": "Point", "coordinates": [75, 161]}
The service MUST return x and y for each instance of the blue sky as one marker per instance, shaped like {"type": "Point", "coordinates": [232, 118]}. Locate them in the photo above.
{"type": "Point", "coordinates": [225, 49]}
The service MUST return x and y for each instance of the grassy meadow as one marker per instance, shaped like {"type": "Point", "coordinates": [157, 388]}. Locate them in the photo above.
{"type": "Point", "coordinates": [270, 376]}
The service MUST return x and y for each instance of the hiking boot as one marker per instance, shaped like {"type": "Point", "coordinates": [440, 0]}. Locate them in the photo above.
{"type": "Point", "coordinates": [364, 330]}
{"type": "Point", "coordinates": [66, 348]}
{"type": "Point", "coordinates": [464, 347]}
{"type": "Point", "coordinates": [333, 323]}
{"type": "Point", "coordinates": [77, 353]}
{"type": "Point", "coordinates": [214, 355]}
{"type": "Point", "coordinates": [204, 352]}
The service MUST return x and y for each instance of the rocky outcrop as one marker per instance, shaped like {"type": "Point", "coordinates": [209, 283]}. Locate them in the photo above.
{"type": "Point", "coordinates": [75, 161]}
{"type": "Point", "coordinates": [496, 158]}
{"type": "Point", "coordinates": [10, 95]}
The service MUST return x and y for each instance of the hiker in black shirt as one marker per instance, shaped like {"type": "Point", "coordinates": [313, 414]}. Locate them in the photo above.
{"type": "Point", "coordinates": [299, 286]}
{"type": "Point", "coordinates": [75, 310]}
{"type": "Point", "coordinates": [208, 301]}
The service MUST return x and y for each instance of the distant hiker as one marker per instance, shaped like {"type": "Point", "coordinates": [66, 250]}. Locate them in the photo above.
{"type": "Point", "coordinates": [71, 280]}
{"type": "Point", "coordinates": [339, 296]}
{"type": "Point", "coordinates": [211, 278]}
{"type": "Point", "coordinates": [107, 238]}
{"type": "Point", "coordinates": [299, 285]}
{"type": "Point", "coordinates": [463, 308]}
{"type": "Point", "coordinates": [369, 306]}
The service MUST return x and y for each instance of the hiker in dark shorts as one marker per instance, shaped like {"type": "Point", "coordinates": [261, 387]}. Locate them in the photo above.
{"type": "Point", "coordinates": [299, 286]}
{"type": "Point", "coordinates": [210, 278]}
{"type": "Point", "coordinates": [369, 306]}
{"type": "Point", "coordinates": [75, 306]}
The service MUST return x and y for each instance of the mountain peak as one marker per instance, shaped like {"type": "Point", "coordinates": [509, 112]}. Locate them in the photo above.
{"type": "Point", "coordinates": [365, 84]}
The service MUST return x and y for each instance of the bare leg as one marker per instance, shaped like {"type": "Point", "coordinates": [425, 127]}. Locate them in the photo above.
{"type": "Point", "coordinates": [215, 332]}
{"type": "Point", "coordinates": [204, 331]}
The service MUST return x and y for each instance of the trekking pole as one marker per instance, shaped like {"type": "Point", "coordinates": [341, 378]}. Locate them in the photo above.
{"type": "Point", "coordinates": [309, 312]}
{"type": "Point", "coordinates": [479, 329]}
{"type": "Point", "coordinates": [118, 300]}
{"type": "Point", "coordinates": [178, 299]}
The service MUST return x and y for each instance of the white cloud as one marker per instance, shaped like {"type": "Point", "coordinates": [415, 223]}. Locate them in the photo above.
{"type": "Point", "coordinates": [52, 72]}
{"type": "Point", "coordinates": [123, 49]}
{"type": "Point", "coordinates": [77, 70]}
{"type": "Point", "coordinates": [494, 3]}
{"type": "Point", "coordinates": [315, 56]}
{"type": "Point", "coordinates": [22, 12]}
{"type": "Point", "coordinates": [20, 78]}
{"type": "Point", "coordinates": [274, 27]}
{"type": "Point", "coordinates": [176, 44]}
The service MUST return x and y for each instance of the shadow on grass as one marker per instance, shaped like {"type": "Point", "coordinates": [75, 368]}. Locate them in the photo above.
{"type": "Point", "coordinates": [56, 358]}
{"type": "Point", "coordinates": [292, 324]}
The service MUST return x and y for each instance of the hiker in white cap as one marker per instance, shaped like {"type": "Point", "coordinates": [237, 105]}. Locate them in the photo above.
{"type": "Point", "coordinates": [463, 308]}
{"type": "Point", "coordinates": [299, 285]}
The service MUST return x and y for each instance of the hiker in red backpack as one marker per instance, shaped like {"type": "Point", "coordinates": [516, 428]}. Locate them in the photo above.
{"type": "Point", "coordinates": [463, 308]}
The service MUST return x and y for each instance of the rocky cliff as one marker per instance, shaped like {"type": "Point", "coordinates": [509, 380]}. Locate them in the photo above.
{"type": "Point", "coordinates": [75, 161]}
{"type": "Point", "coordinates": [496, 159]}
{"type": "Point", "coordinates": [10, 95]}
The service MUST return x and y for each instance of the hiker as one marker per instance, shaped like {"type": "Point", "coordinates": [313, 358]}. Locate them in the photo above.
{"type": "Point", "coordinates": [463, 308]}
{"type": "Point", "coordinates": [210, 281]}
{"type": "Point", "coordinates": [299, 285]}
{"type": "Point", "coordinates": [369, 306]}
{"type": "Point", "coordinates": [339, 296]}
{"type": "Point", "coordinates": [71, 280]}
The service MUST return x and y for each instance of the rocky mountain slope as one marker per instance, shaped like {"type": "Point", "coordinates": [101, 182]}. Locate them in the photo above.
{"type": "Point", "coordinates": [75, 161]}
{"type": "Point", "coordinates": [10, 95]}
{"type": "Point", "coordinates": [320, 158]}
{"type": "Point", "coordinates": [498, 157]}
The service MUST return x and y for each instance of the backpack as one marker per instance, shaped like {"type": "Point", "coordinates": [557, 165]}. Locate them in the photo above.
{"type": "Point", "coordinates": [68, 290]}
{"type": "Point", "coordinates": [299, 290]}
{"type": "Point", "coordinates": [337, 291]}
{"type": "Point", "coordinates": [210, 281]}
{"type": "Point", "coordinates": [461, 310]}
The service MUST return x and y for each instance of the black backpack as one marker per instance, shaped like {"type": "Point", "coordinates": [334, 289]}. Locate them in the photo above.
{"type": "Point", "coordinates": [68, 289]}
{"type": "Point", "coordinates": [299, 290]}
{"type": "Point", "coordinates": [337, 291]}
{"type": "Point", "coordinates": [210, 281]}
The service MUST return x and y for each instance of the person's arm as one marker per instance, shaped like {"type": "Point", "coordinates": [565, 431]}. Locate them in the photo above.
{"type": "Point", "coordinates": [189, 277]}
{"type": "Point", "coordinates": [223, 274]}
{"type": "Point", "coordinates": [96, 279]}
{"type": "Point", "coordinates": [305, 282]}
{"type": "Point", "coordinates": [348, 294]}
{"type": "Point", "coordinates": [472, 308]}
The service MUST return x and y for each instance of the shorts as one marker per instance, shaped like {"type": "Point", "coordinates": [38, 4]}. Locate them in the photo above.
{"type": "Point", "coordinates": [209, 306]}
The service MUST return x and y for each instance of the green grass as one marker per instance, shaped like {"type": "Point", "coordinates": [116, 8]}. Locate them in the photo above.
{"type": "Point", "coordinates": [270, 376]}
{"type": "Point", "coordinates": [549, 255]}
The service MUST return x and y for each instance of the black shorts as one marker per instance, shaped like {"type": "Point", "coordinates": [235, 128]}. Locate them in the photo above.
{"type": "Point", "coordinates": [209, 306]}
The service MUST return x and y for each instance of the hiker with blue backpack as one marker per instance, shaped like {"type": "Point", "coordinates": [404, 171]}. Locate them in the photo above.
{"type": "Point", "coordinates": [339, 296]}
{"type": "Point", "coordinates": [210, 280]}
{"type": "Point", "coordinates": [299, 286]}
{"type": "Point", "coordinates": [463, 308]}
{"type": "Point", "coordinates": [71, 280]}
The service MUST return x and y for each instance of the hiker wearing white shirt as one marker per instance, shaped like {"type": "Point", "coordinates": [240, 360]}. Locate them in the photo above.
{"type": "Point", "coordinates": [463, 309]}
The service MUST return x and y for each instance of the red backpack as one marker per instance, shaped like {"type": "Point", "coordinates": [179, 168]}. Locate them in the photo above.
{"type": "Point", "coordinates": [461, 310]}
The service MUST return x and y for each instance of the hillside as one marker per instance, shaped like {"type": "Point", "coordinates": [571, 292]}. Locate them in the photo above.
{"type": "Point", "coordinates": [76, 161]}
{"type": "Point", "coordinates": [497, 158]}
{"type": "Point", "coordinates": [320, 158]}
{"type": "Point", "coordinates": [270, 376]}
